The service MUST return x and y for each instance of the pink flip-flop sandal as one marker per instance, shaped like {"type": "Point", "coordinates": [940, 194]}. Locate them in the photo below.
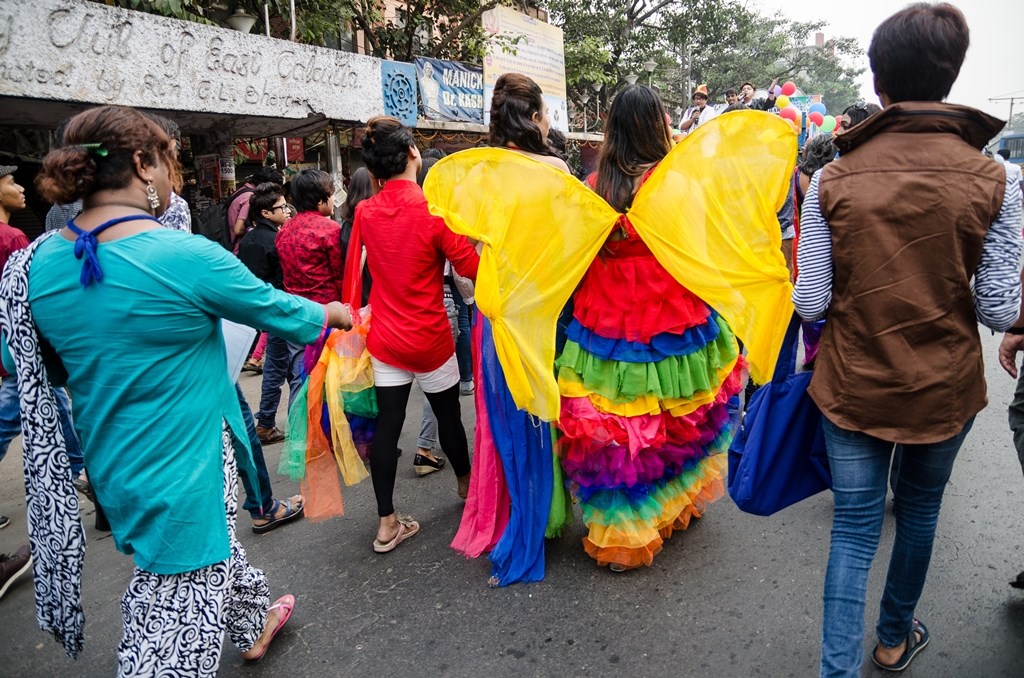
{"type": "Point", "coordinates": [407, 527]}
{"type": "Point", "coordinates": [286, 604]}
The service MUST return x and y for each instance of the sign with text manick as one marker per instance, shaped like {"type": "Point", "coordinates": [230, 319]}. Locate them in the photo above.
{"type": "Point", "coordinates": [539, 54]}
{"type": "Point", "coordinates": [72, 50]}
{"type": "Point", "coordinates": [450, 90]}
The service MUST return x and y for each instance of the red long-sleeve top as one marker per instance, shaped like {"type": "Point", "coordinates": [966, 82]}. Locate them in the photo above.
{"type": "Point", "coordinates": [406, 247]}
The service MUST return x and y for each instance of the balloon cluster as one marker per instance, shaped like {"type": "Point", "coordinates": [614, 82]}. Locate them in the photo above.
{"type": "Point", "coordinates": [816, 113]}
{"type": "Point", "coordinates": [787, 111]}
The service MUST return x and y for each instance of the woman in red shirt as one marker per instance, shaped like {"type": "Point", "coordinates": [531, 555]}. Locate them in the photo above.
{"type": "Point", "coordinates": [409, 337]}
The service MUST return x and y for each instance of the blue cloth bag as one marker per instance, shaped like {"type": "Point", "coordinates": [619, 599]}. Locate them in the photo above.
{"type": "Point", "coordinates": [778, 456]}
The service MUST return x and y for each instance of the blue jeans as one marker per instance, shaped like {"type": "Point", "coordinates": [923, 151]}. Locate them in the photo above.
{"type": "Point", "coordinates": [282, 360]}
{"type": "Point", "coordinates": [463, 351]}
{"type": "Point", "coordinates": [860, 471]}
{"type": "Point", "coordinates": [260, 503]}
{"type": "Point", "coordinates": [10, 422]}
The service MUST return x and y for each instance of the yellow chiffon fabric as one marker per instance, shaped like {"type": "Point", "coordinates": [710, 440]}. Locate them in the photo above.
{"type": "Point", "coordinates": [708, 213]}
{"type": "Point", "coordinates": [541, 229]}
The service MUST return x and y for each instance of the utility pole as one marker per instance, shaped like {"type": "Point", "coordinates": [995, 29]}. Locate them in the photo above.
{"type": "Point", "coordinates": [1012, 100]}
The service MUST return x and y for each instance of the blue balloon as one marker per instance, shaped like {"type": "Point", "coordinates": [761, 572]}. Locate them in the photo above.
{"type": "Point", "coordinates": [818, 107]}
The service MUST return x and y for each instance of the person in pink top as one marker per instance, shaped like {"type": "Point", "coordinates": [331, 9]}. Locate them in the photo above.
{"type": "Point", "coordinates": [410, 337]}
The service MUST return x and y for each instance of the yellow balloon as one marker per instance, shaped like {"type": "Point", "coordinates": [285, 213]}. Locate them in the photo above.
{"type": "Point", "coordinates": [782, 101]}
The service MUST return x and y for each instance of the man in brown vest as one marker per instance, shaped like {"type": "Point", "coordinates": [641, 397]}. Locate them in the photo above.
{"type": "Point", "coordinates": [892, 235]}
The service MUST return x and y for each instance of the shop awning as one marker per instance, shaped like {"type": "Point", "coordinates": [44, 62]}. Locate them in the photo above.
{"type": "Point", "coordinates": [28, 113]}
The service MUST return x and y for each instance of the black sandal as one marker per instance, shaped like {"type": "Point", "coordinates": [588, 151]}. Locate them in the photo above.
{"type": "Point", "coordinates": [913, 647]}
{"type": "Point", "coordinates": [290, 513]}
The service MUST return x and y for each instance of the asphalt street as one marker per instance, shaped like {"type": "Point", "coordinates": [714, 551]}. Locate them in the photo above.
{"type": "Point", "coordinates": [735, 595]}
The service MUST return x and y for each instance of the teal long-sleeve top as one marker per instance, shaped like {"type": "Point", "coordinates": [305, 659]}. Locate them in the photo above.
{"type": "Point", "coordinates": [147, 369]}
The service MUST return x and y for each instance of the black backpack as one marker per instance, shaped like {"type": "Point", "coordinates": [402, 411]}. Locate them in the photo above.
{"type": "Point", "coordinates": [212, 221]}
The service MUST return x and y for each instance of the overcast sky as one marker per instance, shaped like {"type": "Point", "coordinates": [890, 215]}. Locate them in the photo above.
{"type": "Point", "coordinates": [993, 66]}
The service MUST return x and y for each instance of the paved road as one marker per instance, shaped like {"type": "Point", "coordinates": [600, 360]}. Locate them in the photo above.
{"type": "Point", "coordinates": [736, 595]}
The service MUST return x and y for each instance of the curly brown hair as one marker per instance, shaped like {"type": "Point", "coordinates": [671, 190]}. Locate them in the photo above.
{"type": "Point", "coordinates": [73, 171]}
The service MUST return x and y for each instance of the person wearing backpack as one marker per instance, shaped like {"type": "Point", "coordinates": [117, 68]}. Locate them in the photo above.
{"type": "Point", "coordinates": [238, 203]}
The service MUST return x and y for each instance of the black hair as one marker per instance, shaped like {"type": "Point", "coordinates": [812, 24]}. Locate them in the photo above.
{"type": "Point", "coordinates": [857, 113]}
{"type": "Point", "coordinates": [436, 153]}
{"type": "Point", "coordinates": [268, 174]}
{"type": "Point", "coordinates": [636, 138]}
{"type": "Point", "coordinates": [386, 146]}
{"type": "Point", "coordinates": [515, 101]}
{"type": "Point", "coordinates": [264, 198]}
{"type": "Point", "coordinates": [732, 91]}
{"type": "Point", "coordinates": [916, 53]}
{"type": "Point", "coordinates": [817, 153]}
{"type": "Point", "coordinates": [421, 176]}
{"type": "Point", "coordinates": [359, 189]}
{"type": "Point", "coordinates": [310, 187]}
{"type": "Point", "coordinates": [1004, 153]}
{"type": "Point", "coordinates": [558, 142]}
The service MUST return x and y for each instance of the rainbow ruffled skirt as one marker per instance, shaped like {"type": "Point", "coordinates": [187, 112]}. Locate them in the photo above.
{"type": "Point", "coordinates": [647, 408]}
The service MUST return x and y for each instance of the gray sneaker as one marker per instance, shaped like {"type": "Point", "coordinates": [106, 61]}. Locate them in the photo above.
{"type": "Point", "coordinates": [13, 566]}
{"type": "Point", "coordinates": [4, 522]}
{"type": "Point", "coordinates": [466, 388]}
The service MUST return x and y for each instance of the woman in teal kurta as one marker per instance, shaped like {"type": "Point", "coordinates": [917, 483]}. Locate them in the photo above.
{"type": "Point", "coordinates": [151, 403]}
{"type": "Point", "coordinates": [132, 312]}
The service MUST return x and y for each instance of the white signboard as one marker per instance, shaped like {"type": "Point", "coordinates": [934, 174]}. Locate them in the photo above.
{"type": "Point", "coordinates": [539, 54]}
{"type": "Point", "coordinates": [72, 50]}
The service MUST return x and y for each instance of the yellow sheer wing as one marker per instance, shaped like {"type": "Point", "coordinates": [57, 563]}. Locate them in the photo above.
{"type": "Point", "coordinates": [540, 228]}
{"type": "Point", "coordinates": [708, 213]}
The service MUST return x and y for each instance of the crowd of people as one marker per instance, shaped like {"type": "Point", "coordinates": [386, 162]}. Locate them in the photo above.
{"type": "Point", "coordinates": [608, 355]}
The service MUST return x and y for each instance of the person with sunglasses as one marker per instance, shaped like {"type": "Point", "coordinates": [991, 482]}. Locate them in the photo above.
{"type": "Point", "coordinates": [268, 211]}
{"type": "Point", "coordinates": [855, 115]}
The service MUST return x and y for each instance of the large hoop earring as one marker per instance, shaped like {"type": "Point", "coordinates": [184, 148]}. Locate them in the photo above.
{"type": "Point", "coordinates": [152, 197]}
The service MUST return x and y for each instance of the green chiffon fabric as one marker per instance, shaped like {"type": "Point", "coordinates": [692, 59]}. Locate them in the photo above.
{"type": "Point", "coordinates": [672, 378]}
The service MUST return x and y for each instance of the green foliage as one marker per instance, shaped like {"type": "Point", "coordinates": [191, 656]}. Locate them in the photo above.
{"type": "Point", "coordinates": [726, 41]}
{"type": "Point", "coordinates": [188, 10]}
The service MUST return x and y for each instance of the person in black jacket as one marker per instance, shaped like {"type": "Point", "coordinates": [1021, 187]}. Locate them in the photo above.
{"type": "Point", "coordinates": [268, 210]}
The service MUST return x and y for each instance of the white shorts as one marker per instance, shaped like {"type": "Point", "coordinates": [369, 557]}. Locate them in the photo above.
{"type": "Point", "coordinates": [441, 379]}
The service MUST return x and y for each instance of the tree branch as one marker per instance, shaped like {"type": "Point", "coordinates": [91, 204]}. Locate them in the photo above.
{"type": "Point", "coordinates": [651, 12]}
{"type": "Point", "coordinates": [454, 33]}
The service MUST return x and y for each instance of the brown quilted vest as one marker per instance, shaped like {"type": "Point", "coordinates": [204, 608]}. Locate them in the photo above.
{"type": "Point", "coordinates": [908, 204]}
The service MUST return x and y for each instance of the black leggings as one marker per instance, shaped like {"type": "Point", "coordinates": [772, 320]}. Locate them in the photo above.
{"type": "Point", "coordinates": [391, 404]}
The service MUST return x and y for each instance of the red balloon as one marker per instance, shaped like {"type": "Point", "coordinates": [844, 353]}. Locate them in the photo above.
{"type": "Point", "coordinates": [789, 88]}
{"type": "Point", "coordinates": [790, 113]}
{"type": "Point", "coordinates": [817, 118]}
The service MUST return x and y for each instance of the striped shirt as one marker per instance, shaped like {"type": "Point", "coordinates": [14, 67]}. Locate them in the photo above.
{"type": "Point", "coordinates": [996, 286]}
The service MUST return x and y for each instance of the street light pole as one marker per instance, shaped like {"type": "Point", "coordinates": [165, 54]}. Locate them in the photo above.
{"type": "Point", "coordinates": [689, 70]}
{"type": "Point", "coordinates": [597, 101]}
{"type": "Point", "coordinates": [649, 66]}
{"type": "Point", "coordinates": [585, 99]}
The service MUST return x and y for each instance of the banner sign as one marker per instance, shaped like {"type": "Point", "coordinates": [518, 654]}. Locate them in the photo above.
{"type": "Point", "coordinates": [450, 90]}
{"type": "Point", "coordinates": [539, 53]}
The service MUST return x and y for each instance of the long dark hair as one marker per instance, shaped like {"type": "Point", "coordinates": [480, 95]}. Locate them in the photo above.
{"type": "Point", "coordinates": [359, 189]}
{"type": "Point", "coordinates": [515, 100]}
{"type": "Point", "coordinates": [636, 138]}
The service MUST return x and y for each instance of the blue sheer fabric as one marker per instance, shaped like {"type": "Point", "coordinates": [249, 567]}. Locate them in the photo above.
{"type": "Point", "coordinates": [524, 445]}
{"type": "Point", "coordinates": [661, 346]}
